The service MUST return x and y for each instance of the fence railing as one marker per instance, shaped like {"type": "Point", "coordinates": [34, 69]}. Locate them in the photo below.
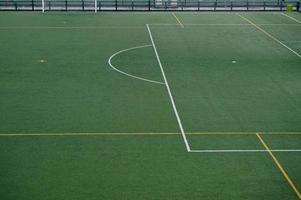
{"type": "Point", "coordinates": [147, 5]}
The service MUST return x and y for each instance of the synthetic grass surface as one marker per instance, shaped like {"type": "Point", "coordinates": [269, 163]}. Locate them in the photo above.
{"type": "Point", "coordinates": [132, 167]}
{"type": "Point", "coordinates": [224, 74]}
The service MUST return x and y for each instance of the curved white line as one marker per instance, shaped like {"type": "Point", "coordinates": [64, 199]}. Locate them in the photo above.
{"type": "Point", "coordinates": [130, 75]}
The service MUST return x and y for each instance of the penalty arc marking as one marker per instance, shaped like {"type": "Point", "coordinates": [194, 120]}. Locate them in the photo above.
{"type": "Point", "coordinates": [127, 74]}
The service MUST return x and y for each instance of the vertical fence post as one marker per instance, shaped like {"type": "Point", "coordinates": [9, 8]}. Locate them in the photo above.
{"type": "Point", "coordinates": [281, 5]}
{"type": "Point", "coordinates": [149, 4]}
{"type": "Point", "coordinates": [264, 5]}
{"type": "Point", "coordinates": [231, 5]}
{"type": "Point", "coordinates": [198, 5]}
{"type": "Point", "coordinates": [95, 6]}
{"type": "Point", "coordinates": [298, 6]}
{"type": "Point", "coordinates": [49, 5]}
{"type": "Point", "coordinates": [215, 4]}
{"type": "Point", "coordinates": [247, 5]}
{"type": "Point", "coordinates": [16, 5]}
{"type": "Point", "coordinates": [66, 5]}
{"type": "Point", "coordinates": [182, 5]}
{"type": "Point", "coordinates": [132, 5]}
{"type": "Point", "coordinates": [43, 5]}
{"type": "Point", "coordinates": [116, 5]}
{"type": "Point", "coordinates": [32, 5]}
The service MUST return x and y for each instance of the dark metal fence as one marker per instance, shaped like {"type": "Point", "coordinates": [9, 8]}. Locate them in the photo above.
{"type": "Point", "coordinates": [147, 5]}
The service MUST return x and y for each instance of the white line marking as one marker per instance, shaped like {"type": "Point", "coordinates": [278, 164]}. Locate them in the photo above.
{"type": "Point", "coordinates": [292, 18]}
{"type": "Point", "coordinates": [247, 24]}
{"type": "Point", "coordinates": [168, 90]}
{"type": "Point", "coordinates": [178, 20]}
{"type": "Point", "coordinates": [243, 150]}
{"type": "Point", "coordinates": [130, 75]}
{"type": "Point", "coordinates": [269, 35]}
{"type": "Point", "coordinates": [146, 133]}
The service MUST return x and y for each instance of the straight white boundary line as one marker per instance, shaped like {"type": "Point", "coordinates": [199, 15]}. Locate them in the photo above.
{"type": "Point", "coordinates": [168, 90]}
{"type": "Point", "coordinates": [247, 24]}
{"type": "Point", "coordinates": [130, 75]}
{"type": "Point", "coordinates": [292, 18]}
{"type": "Point", "coordinates": [269, 35]}
{"type": "Point", "coordinates": [243, 150]}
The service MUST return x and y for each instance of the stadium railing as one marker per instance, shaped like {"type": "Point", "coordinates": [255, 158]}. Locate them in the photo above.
{"type": "Point", "coordinates": [147, 5]}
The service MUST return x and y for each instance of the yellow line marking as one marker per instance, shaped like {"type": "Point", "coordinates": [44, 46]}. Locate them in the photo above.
{"type": "Point", "coordinates": [269, 35]}
{"type": "Point", "coordinates": [279, 166]}
{"type": "Point", "coordinates": [178, 20]}
{"type": "Point", "coordinates": [158, 133]}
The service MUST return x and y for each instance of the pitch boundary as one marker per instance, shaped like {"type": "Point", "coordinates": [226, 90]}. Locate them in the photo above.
{"type": "Point", "coordinates": [168, 90]}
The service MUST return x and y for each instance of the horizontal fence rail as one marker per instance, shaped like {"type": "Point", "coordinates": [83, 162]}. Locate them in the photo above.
{"type": "Point", "coordinates": [148, 5]}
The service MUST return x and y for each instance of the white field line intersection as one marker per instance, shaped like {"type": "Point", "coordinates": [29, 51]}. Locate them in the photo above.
{"type": "Point", "coordinates": [168, 90]}
{"type": "Point", "coordinates": [282, 170]}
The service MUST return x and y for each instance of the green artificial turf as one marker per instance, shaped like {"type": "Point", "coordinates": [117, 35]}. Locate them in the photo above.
{"type": "Point", "coordinates": [225, 75]}
{"type": "Point", "coordinates": [132, 167]}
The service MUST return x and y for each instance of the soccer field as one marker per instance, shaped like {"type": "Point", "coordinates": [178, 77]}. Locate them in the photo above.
{"type": "Point", "coordinates": [160, 105]}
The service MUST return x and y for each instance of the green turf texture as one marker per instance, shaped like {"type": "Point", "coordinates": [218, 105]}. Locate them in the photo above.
{"type": "Point", "coordinates": [75, 90]}
{"type": "Point", "coordinates": [134, 167]}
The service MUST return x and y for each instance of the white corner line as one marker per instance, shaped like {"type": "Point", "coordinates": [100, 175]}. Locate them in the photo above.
{"type": "Point", "coordinates": [292, 18]}
{"type": "Point", "coordinates": [242, 150]}
{"type": "Point", "coordinates": [269, 35]}
{"type": "Point", "coordinates": [168, 90]}
{"type": "Point", "coordinates": [127, 74]}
